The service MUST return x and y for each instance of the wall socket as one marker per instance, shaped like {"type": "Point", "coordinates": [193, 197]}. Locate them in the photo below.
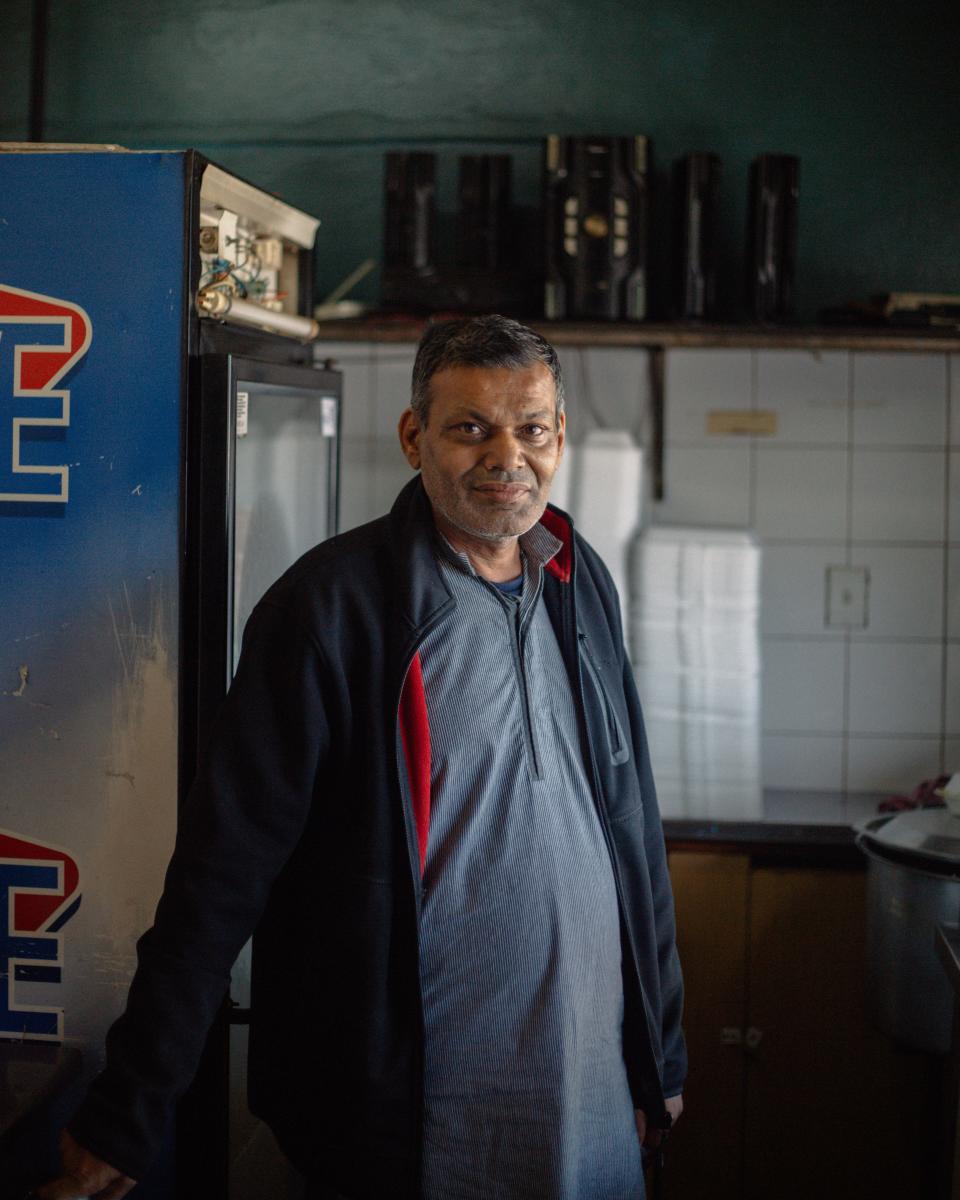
{"type": "Point", "coordinates": [847, 589]}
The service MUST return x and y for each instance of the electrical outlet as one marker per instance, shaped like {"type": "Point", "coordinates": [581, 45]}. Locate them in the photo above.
{"type": "Point", "coordinates": [847, 597]}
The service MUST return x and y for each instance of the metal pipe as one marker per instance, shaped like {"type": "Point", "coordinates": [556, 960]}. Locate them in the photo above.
{"type": "Point", "coordinates": [213, 302]}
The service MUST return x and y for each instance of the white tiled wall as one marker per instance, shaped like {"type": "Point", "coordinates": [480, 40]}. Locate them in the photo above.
{"type": "Point", "coordinates": [800, 493]}
{"type": "Point", "coordinates": [863, 470]}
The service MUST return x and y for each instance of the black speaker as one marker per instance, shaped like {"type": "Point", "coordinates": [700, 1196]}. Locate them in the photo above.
{"type": "Point", "coordinates": [696, 190]}
{"type": "Point", "coordinates": [772, 236]}
{"type": "Point", "coordinates": [495, 264]}
{"type": "Point", "coordinates": [596, 217]}
{"type": "Point", "coordinates": [484, 215]}
{"type": "Point", "coordinates": [409, 214]}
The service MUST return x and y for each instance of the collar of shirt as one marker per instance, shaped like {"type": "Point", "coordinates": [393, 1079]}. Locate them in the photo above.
{"type": "Point", "coordinates": [537, 547]}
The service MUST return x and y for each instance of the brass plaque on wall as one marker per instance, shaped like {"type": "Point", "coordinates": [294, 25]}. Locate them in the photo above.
{"type": "Point", "coordinates": [736, 421]}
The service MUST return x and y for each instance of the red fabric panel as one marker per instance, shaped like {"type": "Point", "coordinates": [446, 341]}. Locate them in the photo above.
{"type": "Point", "coordinates": [561, 563]}
{"type": "Point", "coordinates": [415, 733]}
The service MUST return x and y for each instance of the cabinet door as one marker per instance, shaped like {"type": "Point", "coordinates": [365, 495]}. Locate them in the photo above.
{"type": "Point", "coordinates": [704, 1153]}
{"type": "Point", "coordinates": [833, 1108]}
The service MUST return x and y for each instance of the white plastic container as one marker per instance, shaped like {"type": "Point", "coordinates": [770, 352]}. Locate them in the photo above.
{"type": "Point", "coordinates": [694, 636]}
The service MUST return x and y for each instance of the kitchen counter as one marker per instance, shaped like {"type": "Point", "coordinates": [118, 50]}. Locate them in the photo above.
{"type": "Point", "coordinates": [812, 826]}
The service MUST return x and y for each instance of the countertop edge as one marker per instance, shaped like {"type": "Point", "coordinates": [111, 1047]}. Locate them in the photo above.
{"type": "Point", "coordinates": [824, 845]}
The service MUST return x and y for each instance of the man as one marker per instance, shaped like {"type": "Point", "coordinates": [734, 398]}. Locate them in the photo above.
{"type": "Point", "coordinates": [429, 789]}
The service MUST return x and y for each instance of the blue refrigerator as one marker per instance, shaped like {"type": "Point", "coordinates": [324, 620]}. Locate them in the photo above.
{"type": "Point", "coordinates": [167, 448]}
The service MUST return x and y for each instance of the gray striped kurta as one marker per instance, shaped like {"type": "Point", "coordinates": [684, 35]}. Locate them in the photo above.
{"type": "Point", "coordinates": [525, 1085]}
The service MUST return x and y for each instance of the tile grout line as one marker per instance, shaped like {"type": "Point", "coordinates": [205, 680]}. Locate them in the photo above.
{"type": "Point", "coordinates": [848, 554]}
{"type": "Point", "coordinates": [869, 543]}
{"type": "Point", "coordinates": [859, 639]}
{"type": "Point", "coordinates": [754, 388]}
{"type": "Point", "coordinates": [945, 583]}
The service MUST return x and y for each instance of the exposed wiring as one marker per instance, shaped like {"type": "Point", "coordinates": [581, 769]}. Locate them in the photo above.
{"type": "Point", "coordinates": [244, 274]}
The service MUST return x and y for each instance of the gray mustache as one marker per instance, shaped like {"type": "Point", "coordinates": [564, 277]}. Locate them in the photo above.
{"type": "Point", "coordinates": [505, 477]}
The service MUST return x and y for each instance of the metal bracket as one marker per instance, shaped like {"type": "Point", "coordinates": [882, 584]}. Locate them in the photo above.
{"type": "Point", "coordinates": [657, 364]}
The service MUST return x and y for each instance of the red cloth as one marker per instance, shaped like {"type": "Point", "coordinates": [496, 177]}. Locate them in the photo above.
{"type": "Point", "coordinates": [922, 796]}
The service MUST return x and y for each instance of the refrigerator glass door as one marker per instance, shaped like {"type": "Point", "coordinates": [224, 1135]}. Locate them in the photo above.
{"type": "Point", "coordinates": [265, 472]}
{"type": "Point", "coordinates": [285, 503]}
{"type": "Point", "coordinates": [284, 486]}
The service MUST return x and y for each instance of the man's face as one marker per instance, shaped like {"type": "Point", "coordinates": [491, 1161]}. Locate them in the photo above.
{"type": "Point", "coordinates": [492, 443]}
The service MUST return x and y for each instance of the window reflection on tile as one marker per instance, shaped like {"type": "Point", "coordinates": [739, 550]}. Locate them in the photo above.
{"type": "Point", "coordinates": [705, 767]}
{"type": "Point", "coordinates": [696, 649]}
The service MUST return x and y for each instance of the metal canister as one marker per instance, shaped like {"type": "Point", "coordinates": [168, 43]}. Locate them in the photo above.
{"type": "Point", "coordinates": [913, 885]}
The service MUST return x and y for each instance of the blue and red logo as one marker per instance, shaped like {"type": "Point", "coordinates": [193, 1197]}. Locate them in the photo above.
{"type": "Point", "coordinates": [38, 896]}
{"type": "Point", "coordinates": [49, 338]}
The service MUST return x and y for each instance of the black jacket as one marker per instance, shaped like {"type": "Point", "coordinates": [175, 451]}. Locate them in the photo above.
{"type": "Point", "coordinates": [301, 823]}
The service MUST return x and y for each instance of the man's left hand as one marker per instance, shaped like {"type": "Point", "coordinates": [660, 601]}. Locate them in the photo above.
{"type": "Point", "coordinates": [651, 1138]}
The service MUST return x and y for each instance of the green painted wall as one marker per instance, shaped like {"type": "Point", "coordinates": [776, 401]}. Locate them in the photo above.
{"type": "Point", "coordinates": [304, 96]}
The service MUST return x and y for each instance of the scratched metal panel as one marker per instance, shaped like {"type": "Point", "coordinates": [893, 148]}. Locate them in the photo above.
{"type": "Point", "coordinates": [91, 277]}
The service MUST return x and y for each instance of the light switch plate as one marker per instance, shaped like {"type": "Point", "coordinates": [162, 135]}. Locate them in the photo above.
{"type": "Point", "coordinates": [847, 589]}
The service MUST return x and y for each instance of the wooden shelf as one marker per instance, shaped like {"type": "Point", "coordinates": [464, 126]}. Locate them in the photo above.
{"type": "Point", "coordinates": [594, 333]}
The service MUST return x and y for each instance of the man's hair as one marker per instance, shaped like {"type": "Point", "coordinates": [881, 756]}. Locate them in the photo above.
{"type": "Point", "coordinates": [488, 341]}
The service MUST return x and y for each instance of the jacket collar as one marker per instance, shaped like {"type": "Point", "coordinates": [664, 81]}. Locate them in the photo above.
{"type": "Point", "coordinates": [561, 526]}
{"type": "Point", "coordinates": [423, 593]}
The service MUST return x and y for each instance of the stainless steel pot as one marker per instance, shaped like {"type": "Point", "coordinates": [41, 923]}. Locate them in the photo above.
{"type": "Point", "coordinates": [913, 883]}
